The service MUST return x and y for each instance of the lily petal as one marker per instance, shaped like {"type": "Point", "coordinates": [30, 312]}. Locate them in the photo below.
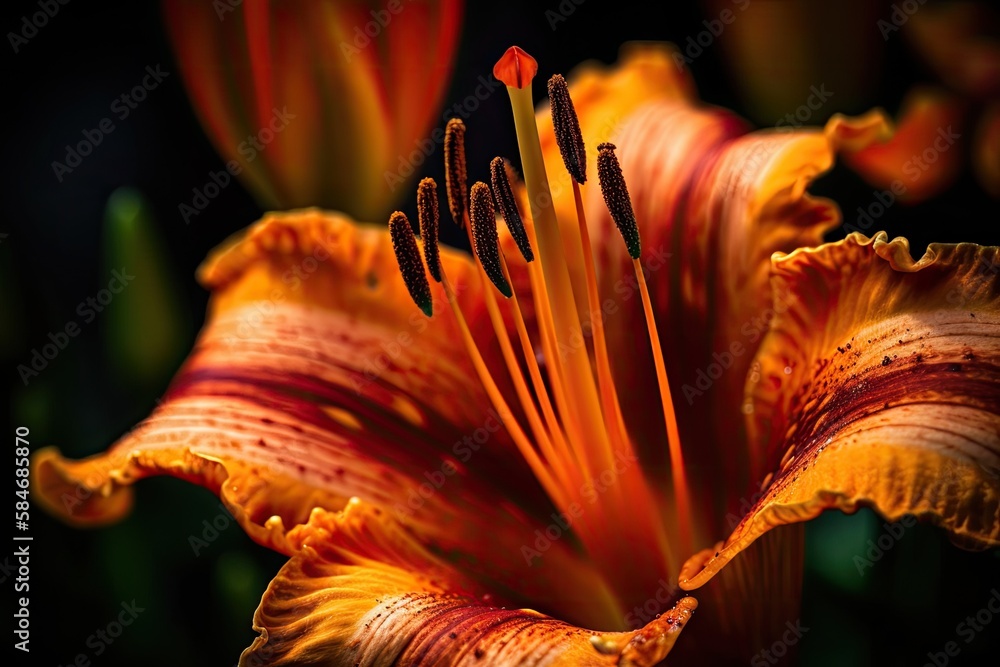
{"type": "Point", "coordinates": [714, 207]}
{"type": "Point", "coordinates": [878, 385]}
{"type": "Point", "coordinates": [315, 380]}
{"type": "Point", "coordinates": [360, 590]}
{"type": "Point", "coordinates": [713, 202]}
{"type": "Point", "coordinates": [268, 80]}
{"type": "Point", "coordinates": [924, 154]}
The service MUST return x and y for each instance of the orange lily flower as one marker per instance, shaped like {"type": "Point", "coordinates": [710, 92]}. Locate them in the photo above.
{"type": "Point", "coordinates": [512, 480]}
{"type": "Point", "coordinates": [268, 80]}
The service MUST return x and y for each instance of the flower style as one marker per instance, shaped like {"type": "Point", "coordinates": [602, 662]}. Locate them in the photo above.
{"type": "Point", "coordinates": [507, 479]}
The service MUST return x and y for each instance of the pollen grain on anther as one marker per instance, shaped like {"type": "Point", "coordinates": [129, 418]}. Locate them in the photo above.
{"type": "Point", "coordinates": [484, 236]}
{"type": "Point", "coordinates": [429, 219]}
{"type": "Point", "coordinates": [455, 176]}
{"type": "Point", "coordinates": [404, 245]}
{"type": "Point", "coordinates": [566, 126]}
{"type": "Point", "coordinates": [508, 207]}
{"type": "Point", "coordinates": [609, 173]}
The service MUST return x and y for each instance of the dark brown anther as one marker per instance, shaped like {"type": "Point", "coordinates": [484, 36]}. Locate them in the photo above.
{"type": "Point", "coordinates": [404, 244]}
{"type": "Point", "coordinates": [567, 129]}
{"type": "Point", "coordinates": [429, 217]}
{"type": "Point", "coordinates": [616, 197]}
{"type": "Point", "coordinates": [486, 244]}
{"type": "Point", "coordinates": [455, 179]}
{"type": "Point", "coordinates": [508, 207]}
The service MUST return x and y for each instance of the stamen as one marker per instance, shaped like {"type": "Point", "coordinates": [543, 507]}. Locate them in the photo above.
{"type": "Point", "coordinates": [605, 380]}
{"type": "Point", "coordinates": [559, 454]}
{"type": "Point", "coordinates": [541, 468]}
{"type": "Point", "coordinates": [484, 236]}
{"type": "Point", "coordinates": [619, 203]}
{"type": "Point", "coordinates": [552, 442]}
{"type": "Point", "coordinates": [570, 140]}
{"type": "Point", "coordinates": [404, 244]}
{"type": "Point", "coordinates": [574, 445]}
{"type": "Point", "coordinates": [454, 170]}
{"type": "Point", "coordinates": [546, 443]}
{"type": "Point", "coordinates": [544, 439]}
{"type": "Point", "coordinates": [508, 207]}
{"type": "Point", "coordinates": [583, 409]}
{"type": "Point", "coordinates": [678, 474]}
{"type": "Point", "coordinates": [543, 310]}
{"type": "Point", "coordinates": [567, 129]}
{"type": "Point", "coordinates": [515, 68]}
{"type": "Point", "coordinates": [609, 173]}
{"type": "Point", "coordinates": [429, 218]}
{"type": "Point", "coordinates": [574, 385]}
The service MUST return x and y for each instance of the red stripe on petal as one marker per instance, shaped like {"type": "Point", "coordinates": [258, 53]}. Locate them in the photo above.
{"type": "Point", "coordinates": [879, 385]}
{"type": "Point", "coordinates": [359, 590]}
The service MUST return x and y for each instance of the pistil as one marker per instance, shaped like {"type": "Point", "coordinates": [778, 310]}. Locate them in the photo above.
{"type": "Point", "coordinates": [579, 444]}
{"type": "Point", "coordinates": [583, 402]}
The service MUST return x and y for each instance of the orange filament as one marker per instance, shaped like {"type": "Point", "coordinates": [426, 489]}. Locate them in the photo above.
{"type": "Point", "coordinates": [681, 494]}
{"type": "Point", "coordinates": [599, 422]}
{"type": "Point", "coordinates": [520, 438]}
{"type": "Point", "coordinates": [572, 410]}
{"type": "Point", "coordinates": [542, 432]}
{"type": "Point", "coordinates": [561, 449]}
{"type": "Point", "coordinates": [554, 428]}
{"type": "Point", "coordinates": [612, 408]}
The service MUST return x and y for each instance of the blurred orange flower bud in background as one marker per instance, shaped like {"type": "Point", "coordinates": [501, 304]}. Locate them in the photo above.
{"type": "Point", "coordinates": [316, 103]}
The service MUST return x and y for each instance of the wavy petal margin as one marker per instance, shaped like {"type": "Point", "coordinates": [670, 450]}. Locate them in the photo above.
{"type": "Point", "coordinates": [879, 386]}
{"type": "Point", "coordinates": [713, 204]}
{"type": "Point", "coordinates": [315, 380]}
{"type": "Point", "coordinates": [925, 152]}
{"type": "Point", "coordinates": [713, 201]}
{"type": "Point", "coordinates": [359, 590]}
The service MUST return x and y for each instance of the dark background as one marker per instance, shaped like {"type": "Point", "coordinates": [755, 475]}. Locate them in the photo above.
{"type": "Point", "coordinates": [198, 609]}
